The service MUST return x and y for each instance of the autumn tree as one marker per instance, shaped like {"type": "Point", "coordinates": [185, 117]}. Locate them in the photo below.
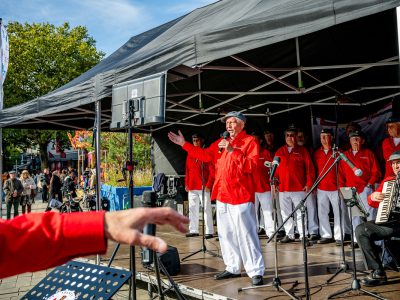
{"type": "Point", "coordinates": [42, 58]}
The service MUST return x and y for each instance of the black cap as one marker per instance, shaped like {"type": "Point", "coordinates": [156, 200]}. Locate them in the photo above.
{"type": "Point", "coordinates": [268, 129]}
{"type": "Point", "coordinates": [292, 127]}
{"type": "Point", "coordinates": [197, 135]}
{"type": "Point", "coordinates": [356, 133]}
{"type": "Point", "coordinates": [393, 119]}
{"type": "Point", "coordinates": [236, 114]}
{"type": "Point", "coordinates": [394, 156]}
{"type": "Point", "coordinates": [327, 131]}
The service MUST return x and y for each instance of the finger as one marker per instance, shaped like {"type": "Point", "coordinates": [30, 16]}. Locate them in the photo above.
{"type": "Point", "coordinates": [180, 133]}
{"type": "Point", "coordinates": [152, 242]}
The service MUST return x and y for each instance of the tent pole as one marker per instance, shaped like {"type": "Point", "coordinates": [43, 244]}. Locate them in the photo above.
{"type": "Point", "coordinates": [98, 170]}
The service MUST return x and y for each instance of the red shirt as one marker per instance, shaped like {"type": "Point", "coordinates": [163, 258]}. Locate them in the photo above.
{"type": "Point", "coordinates": [388, 148]}
{"type": "Point", "coordinates": [38, 241]}
{"type": "Point", "coordinates": [295, 170]}
{"type": "Point", "coordinates": [261, 175]}
{"type": "Point", "coordinates": [375, 204]}
{"type": "Point", "coordinates": [234, 170]}
{"type": "Point", "coordinates": [193, 180]}
{"type": "Point", "coordinates": [366, 161]}
{"type": "Point", "coordinates": [322, 162]}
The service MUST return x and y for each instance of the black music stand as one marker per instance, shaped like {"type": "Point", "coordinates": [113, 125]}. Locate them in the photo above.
{"type": "Point", "coordinates": [351, 199]}
{"type": "Point", "coordinates": [78, 280]}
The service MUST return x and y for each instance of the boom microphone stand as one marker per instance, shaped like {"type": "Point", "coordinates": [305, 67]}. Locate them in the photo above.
{"type": "Point", "coordinates": [276, 282]}
{"type": "Point", "coordinates": [203, 247]}
{"type": "Point", "coordinates": [302, 208]}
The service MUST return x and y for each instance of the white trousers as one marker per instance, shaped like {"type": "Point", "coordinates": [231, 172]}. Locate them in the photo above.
{"type": "Point", "coordinates": [372, 211]}
{"type": "Point", "coordinates": [288, 201]}
{"type": "Point", "coordinates": [332, 197]}
{"type": "Point", "coordinates": [267, 208]}
{"type": "Point", "coordinates": [311, 205]}
{"type": "Point", "coordinates": [238, 238]}
{"type": "Point", "coordinates": [195, 198]}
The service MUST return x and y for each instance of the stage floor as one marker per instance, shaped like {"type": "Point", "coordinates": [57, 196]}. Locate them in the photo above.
{"type": "Point", "coordinates": [197, 272]}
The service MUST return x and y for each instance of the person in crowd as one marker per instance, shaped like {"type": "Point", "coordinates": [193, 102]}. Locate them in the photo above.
{"type": "Point", "coordinates": [391, 143]}
{"type": "Point", "coordinates": [56, 186]}
{"type": "Point", "coordinates": [199, 174]}
{"type": "Point", "coordinates": [45, 185]}
{"type": "Point", "coordinates": [295, 176]}
{"type": "Point", "coordinates": [28, 184]}
{"type": "Point", "coordinates": [70, 184]}
{"type": "Point", "coordinates": [263, 196]}
{"type": "Point", "coordinates": [350, 127]}
{"type": "Point", "coordinates": [54, 238]}
{"type": "Point", "coordinates": [235, 160]}
{"type": "Point", "coordinates": [365, 160]}
{"type": "Point", "coordinates": [327, 192]}
{"type": "Point", "coordinates": [13, 189]}
{"type": "Point", "coordinates": [269, 138]}
{"type": "Point", "coordinates": [313, 228]}
{"type": "Point", "coordinates": [369, 232]}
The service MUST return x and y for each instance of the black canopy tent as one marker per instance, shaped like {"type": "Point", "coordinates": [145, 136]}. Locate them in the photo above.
{"type": "Point", "coordinates": [270, 59]}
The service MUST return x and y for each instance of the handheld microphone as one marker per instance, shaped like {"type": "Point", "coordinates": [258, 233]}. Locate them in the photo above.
{"type": "Point", "coordinates": [356, 171]}
{"type": "Point", "coordinates": [149, 199]}
{"type": "Point", "coordinates": [268, 164]}
{"type": "Point", "coordinates": [225, 135]}
{"type": "Point", "coordinates": [275, 164]}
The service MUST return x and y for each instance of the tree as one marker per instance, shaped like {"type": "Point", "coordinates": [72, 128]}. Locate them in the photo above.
{"type": "Point", "coordinates": [42, 58]}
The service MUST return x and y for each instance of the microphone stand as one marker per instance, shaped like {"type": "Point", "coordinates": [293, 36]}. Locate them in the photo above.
{"type": "Point", "coordinates": [343, 266]}
{"type": "Point", "coordinates": [276, 281]}
{"type": "Point", "coordinates": [203, 247]}
{"type": "Point", "coordinates": [302, 208]}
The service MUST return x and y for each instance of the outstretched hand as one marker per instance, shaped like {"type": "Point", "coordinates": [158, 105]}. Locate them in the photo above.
{"type": "Point", "coordinates": [176, 138]}
{"type": "Point", "coordinates": [125, 226]}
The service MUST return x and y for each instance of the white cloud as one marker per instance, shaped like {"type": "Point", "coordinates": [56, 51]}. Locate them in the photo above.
{"type": "Point", "coordinates": [188, 6]}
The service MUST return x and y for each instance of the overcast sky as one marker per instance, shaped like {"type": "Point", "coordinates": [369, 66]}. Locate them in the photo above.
{"type": "Point", "coordinates": [110, 22]}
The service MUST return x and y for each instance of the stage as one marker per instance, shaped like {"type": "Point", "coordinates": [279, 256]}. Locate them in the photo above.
{"type": "Point", "coordinates": [196, 276]}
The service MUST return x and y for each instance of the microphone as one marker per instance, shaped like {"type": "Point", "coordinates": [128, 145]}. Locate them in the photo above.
{"type": "Point", "coordinates": [268, 164]}
{"type": "Point", "coordinates": [225, 135]}
{"type": "Point", "coordinates": [275, 164]}
{"type": "Point", "coordinates": [356, 171]}
{"type": "Point", "coordinates": [149, 199]}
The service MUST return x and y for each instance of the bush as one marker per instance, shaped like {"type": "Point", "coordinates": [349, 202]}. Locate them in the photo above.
{"type": "Point", "coordinates": [140, 177]}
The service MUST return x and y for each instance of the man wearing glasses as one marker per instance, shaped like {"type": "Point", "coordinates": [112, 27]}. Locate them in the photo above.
{"type": "Point", "coordinates": [295, 176]}
{"type": "Point", "coordinates": [369, 232]}
{"type": "Point", "coordinates": [196, 173]}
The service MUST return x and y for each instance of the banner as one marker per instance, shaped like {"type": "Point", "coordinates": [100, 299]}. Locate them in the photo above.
{"type": "Point", "coordinates": [374, 127]}
{"type": "Point", "coordinates": [4, 51]}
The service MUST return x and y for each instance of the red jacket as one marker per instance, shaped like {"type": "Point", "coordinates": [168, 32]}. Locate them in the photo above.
{"type": "Point", "coordinates": [322, 162]}
{"type": "Point", "coordinates": [193, 180]}
{"type": "Point", "coordinates": [375, 204]}
{"type": "Point", "coordinates": [366, 161]}
{"type": "Point", "coordinates": [233, 182]}
{"type": "Point", "coordinates": [261, 175]}
{"type": "Point", "coordinates": [295, 170]}
{"type": "Point", "coordinates": [388, 148]}
{"type": "Point", "coordinates": [37, 241]}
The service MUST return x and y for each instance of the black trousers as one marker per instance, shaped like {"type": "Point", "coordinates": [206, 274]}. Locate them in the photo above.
{"type": "Point", "coordinates": [45, 193]}
{"type": "Point", "coordinates": [369, 232]}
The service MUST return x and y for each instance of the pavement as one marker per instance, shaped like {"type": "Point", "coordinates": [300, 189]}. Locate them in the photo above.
{"type": "Point", "coordinates": [16, 287]}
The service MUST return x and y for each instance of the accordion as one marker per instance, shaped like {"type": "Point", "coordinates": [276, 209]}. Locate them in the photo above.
{"type": "Point", "coordinates": [389, 208]}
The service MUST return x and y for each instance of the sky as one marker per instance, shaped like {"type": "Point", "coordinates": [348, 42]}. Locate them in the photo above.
{"type": "Point", "coordinates": [110, 22]}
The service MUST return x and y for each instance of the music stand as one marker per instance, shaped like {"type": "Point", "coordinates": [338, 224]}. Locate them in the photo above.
{"type": "Point", "coordinates": [78, 280]}
{"type": "Point", "coordinates": [351, 198]}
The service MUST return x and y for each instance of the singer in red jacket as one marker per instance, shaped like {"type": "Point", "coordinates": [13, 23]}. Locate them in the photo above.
{"type": "Point", "coordinates": [196, 173]}
{"type": "Point", "coordinates": [39, 241]}
{"type": "Point", "coordinates": [233, 189]}
{"type": "Point", "coordinates": [391, 143]}
{"type": "Point", "coordinates": [295, 175]}
{"type": "Point", "coordinates": [369, 232]}
{"type": "Point", "coordinates": [365, 160]}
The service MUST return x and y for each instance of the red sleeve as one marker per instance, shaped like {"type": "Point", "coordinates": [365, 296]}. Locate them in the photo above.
{"type": "Point", "coordinates": [375, 170]}
{"type": "Point", "coordinates": [187, 173]}
{"type": "Point", "coordinates": [310, 169]}
{"type": "Point", "coordinates": [39, 241]}
{"type": "Point", "coordinates": [206, 155]}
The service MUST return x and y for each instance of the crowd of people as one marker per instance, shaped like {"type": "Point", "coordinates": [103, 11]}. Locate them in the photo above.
{"type": "Point", "coordinates": [236, 170]}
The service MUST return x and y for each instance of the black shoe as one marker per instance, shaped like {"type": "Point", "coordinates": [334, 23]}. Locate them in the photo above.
{"type": "Point", "coordinates": [338, 242]}
{"type": "Point", "coordinates": [325, 241]}
{"type": "Point", "coordinates": [375, 278]}
{"type": "Point", "coordinates": [296, 235]}
{"type": "Point", "coordinates": [286, 239]}
{"type": "Point", "coordinates": [257, 280]}
{"type": "Point", "coordinates": [261, 231]}
{"type": "Point", "coordinates": [191, 234]}
{"type": "Point", "coordinates": [225, 275]}
{"type": "Point", "coordinates": [280, 235]}
{"type": "Point", "coordinates": [347, 237]}
{"type": "Point", "coordinates": [314, 237]}
{"type": "Point", "coordinates": [208, 236]}
{"type": "Point", "coordinates": [355, 246]}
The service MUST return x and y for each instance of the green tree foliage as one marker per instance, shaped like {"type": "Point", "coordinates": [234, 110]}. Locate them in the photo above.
{"type": "Point", "coordinates": [42, 58]}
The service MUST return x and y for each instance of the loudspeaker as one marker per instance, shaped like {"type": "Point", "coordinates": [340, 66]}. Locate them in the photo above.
{"type": "Point", "coordinates": [170, 260]}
